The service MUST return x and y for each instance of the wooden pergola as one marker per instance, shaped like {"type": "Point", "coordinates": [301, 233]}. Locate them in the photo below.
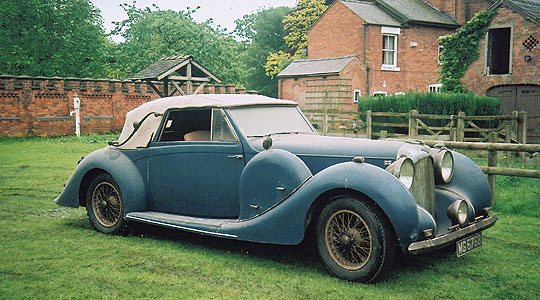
{"type": "Point", "coordinates": [180, 71]}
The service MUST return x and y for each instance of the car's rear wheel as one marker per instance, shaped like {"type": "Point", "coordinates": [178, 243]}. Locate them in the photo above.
{"type": "Point", "coordinates": [104, 205]}
{"type": "Point", "coordinates": [352, 240]}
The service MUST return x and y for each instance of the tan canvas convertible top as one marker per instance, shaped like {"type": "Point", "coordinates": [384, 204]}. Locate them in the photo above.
{"type": "Point", "coordinates": [150, 125]}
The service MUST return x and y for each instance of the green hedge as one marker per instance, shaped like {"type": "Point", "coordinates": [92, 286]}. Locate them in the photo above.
{"type": "Point", "coordinates": [433, 103]}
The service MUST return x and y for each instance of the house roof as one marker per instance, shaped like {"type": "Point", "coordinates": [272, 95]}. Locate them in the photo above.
{"type": "Point", "coordinates": [399, 13]}
{"type": "Point", "coordinates": [370, 12]}
{"type": "Point", "coordinates": [527, 8]}
{"type": "Point", "coordinates": [168, 65]}
{"type": "Point", "coordinates": [417, 11]}
{"type": "Point", "coordinates": [312, 67]}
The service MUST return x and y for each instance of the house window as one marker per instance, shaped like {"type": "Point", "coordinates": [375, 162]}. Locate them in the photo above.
{"type": "Point", "coordinates": [380, 93]}
{"type": "Point", "coordinates": [439, 61]}
{"type": "Point", "coordinates": [499, 51]}
{"type": "Point", "coordinates": [435, 88]}
{"type": "Point", "coordinates": [389, 48]}
{"type": "Point", "coordinates": [357, 95]}
{"type": "Point", "coordinates": [399, 93]}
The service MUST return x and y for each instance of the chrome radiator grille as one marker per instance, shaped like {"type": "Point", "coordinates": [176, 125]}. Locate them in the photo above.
{"type": "Point", "coordinates": [423, 188]}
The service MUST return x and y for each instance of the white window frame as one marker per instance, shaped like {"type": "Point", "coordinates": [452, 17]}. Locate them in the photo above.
{"type": "Point", "coordinates": [439, 50]}
{"type": "Point", "coordinates": [356, 95]}
{"type": "Point", "coordinates": [399, 93]}
{"type": "Point", "coordinates": [435, 88]}
{"type": "Point", "coordinates": [391, 32]}
{"type": "Point", "coordinates": [380, 93]}
{"type": "Point", "coordinates": [511, 55]}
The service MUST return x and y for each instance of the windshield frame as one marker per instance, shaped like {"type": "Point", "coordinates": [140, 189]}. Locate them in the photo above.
{"type": "Point", "coordinates": [230, 112]}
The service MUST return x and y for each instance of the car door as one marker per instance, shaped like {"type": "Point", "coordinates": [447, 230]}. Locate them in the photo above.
{"type": "Point", "coordinates": [196, 166]}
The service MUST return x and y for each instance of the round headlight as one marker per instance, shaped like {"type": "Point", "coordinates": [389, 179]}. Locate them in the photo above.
{"type": "Point", "coordinates": [403, 169]}
{"type": "Point", "coordinates": [406, 173]}
{"type": "Point", "coordinates": [444, 166]}
{"type": "Point", "coordinates": [458, 212]}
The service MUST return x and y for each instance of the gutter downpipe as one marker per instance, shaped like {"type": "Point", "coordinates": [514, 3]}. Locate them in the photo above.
{"type": "Point", "coordinates": [364, 57]}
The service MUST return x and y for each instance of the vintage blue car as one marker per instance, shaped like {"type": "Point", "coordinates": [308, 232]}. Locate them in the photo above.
{"type": "Point", "coordinates": [253, 168]}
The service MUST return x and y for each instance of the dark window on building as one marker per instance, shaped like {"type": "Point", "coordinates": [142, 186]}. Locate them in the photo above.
{"type": "Point", "coordinates": [498, 51]}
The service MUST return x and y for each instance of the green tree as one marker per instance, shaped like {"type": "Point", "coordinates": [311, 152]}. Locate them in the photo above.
{"type": "Point", "coordinates": [297, 24]}
{"type": "Point", "coordinates": [51, 38]}
{"type": "Point", "coordinates": [262, 33]}
{"type": "Point", "coordinates": [152, 33]}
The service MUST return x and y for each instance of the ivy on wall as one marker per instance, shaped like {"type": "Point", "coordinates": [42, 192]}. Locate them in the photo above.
{"type": "Point", "coordinates": [461, 49]}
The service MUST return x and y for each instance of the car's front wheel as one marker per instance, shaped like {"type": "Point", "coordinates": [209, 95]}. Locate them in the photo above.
{"type": "Point", "coordinates": [352, 240]}
{"type": "Point", "coordinates": [104, 205]}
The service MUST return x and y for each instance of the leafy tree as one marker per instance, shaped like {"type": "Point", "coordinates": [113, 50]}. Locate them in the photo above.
{"type": "Point", "coordinates": [262, 33]}
{"type": "Point", "coordinates": [297, 24]}
{"type": "Point", "coordinates": [152, 33]}
{"type": "Point", "coordinates": [51, 38]}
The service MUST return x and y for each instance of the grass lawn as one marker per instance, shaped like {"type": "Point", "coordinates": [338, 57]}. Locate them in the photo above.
{"type": "Point", "coordinates": [51, 252]}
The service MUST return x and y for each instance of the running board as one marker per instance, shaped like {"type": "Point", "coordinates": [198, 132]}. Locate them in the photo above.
{"type": "Point", "coordinates": [191, 224]}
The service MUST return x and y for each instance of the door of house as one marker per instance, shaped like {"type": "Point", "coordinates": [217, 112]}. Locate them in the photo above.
{"type": "Point", "coordinates": [524, 97]}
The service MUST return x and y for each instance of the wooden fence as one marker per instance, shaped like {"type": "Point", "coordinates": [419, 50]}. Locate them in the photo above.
{"type": "Point", "coordinates": [461, 128]}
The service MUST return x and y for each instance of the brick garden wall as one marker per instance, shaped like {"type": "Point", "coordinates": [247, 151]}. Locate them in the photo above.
{"type": "Point", "coordinates": [41, 106]}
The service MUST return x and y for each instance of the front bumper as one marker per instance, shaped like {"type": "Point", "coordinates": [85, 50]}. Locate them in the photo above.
{"type": "Point", "coordinates": [447, 239]}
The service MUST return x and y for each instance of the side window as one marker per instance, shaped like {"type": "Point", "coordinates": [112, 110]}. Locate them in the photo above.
{"type": "Point", "coordinates": [187, 125]}
{"type": "Point", "coordinates": [221, 131]}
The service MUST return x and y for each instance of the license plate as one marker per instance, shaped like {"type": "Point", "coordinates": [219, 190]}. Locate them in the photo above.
{"type": "Point", "coordinates": [468, 244]}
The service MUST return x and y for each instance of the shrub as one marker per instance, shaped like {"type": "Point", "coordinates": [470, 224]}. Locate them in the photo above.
{"type": "Point", "coordinates": [433, 103]}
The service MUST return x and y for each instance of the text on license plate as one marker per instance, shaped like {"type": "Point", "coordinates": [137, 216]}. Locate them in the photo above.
{"type": "Point", "coordinates": [467, 244]}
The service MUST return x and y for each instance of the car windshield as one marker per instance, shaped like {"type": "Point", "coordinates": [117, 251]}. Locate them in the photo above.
{"type": "Point", "coordinates": [255, 121]}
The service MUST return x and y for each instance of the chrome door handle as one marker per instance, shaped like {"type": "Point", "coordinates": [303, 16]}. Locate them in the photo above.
{"type": "Point", "coordinates": [235, 156]}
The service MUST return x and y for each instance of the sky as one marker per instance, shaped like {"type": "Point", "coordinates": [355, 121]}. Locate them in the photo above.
{"type": "Point", "coordinates": [223, 12]}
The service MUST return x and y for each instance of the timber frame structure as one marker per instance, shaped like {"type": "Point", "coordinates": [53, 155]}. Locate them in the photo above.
{"type": "Point", "coordinates": [187, 70]}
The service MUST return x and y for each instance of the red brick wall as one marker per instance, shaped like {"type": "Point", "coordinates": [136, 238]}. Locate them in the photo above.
{"type": "Point", "coordinates": [523, 72]}
{"type": "Point", "coordinates": [41, 106]}
{"type": "Point", "coordinates": [337, 33]}
{"type": "Point", "coordinates": [418, 64]}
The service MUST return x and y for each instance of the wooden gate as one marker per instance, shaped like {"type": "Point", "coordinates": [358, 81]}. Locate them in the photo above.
{"type": "Point", "coordinates": [525, 97]}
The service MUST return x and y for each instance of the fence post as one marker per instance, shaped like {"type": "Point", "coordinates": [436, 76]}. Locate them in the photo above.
{"type": "Point", "coordinates": [492, 162]}
{"type": "Point", "coordinates": [522, 130]}
{"type": "Point", "coordinates": [413, 123]}
{"type": "Point", "coordinates": [368, 124]}
{"type": "Point", "coordinates": [508, 140]}
{"type": "Point", "coordinates": [383, 135]}
{"type": "Point", "coordinates": [515, 125]}
{"type": "Point", "coordinates": [461, 127]}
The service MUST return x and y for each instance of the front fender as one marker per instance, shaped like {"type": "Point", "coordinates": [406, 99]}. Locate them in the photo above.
{"type": "Point", "coordinates": [117, 164]}
{"type": "Point", "coordinates": [285, 223]}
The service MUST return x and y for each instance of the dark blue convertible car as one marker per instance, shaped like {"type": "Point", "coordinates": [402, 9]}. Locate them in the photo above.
{"type": "Point", "coordinates": [253, 168]}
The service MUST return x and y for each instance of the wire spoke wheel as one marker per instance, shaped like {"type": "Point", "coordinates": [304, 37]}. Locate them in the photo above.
{"type": "Point", "coordinates": [106, 204]}
{"type": "Point", "coordinates": [353, 242]}
{"type": "Point", "coordinates": [348, 240]}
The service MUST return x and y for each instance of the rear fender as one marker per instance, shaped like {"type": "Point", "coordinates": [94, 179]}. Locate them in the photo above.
{"type": "Point", "coordinates": [119, 166]}
{"type": "Point", "coordinates": [285, 223]}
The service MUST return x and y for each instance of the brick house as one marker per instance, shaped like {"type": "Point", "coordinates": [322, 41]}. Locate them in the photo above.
{"type": "Point", "coordinates": [395, 43]}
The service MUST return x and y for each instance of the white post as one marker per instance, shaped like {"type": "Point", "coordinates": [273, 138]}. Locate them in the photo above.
{"type": "Point", "coordinates": [77, 107]}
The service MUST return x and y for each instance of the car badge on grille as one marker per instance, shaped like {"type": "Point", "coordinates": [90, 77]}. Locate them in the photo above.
{"type": "Point", "coordinates": [387, 162]}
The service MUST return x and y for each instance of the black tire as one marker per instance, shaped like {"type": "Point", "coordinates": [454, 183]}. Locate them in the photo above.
{"type": "Point", "coordinates": [105, 205]}
{"type": "Point", "coordinates": [353, 242]}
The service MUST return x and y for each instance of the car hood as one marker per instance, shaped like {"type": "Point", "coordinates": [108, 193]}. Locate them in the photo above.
{"type": "Point", "coordinates": [318, 145]}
